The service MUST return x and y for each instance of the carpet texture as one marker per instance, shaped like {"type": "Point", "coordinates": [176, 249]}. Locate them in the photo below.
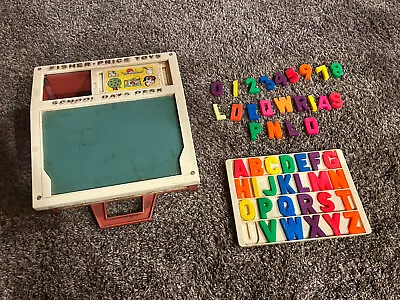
{"type": "Point", "coordinates": [190, 249]}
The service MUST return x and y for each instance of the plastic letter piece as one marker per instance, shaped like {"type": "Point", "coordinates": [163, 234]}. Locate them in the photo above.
{"type": "Point", "coordinates": [247, 210]}
{"type": "Point", "coordinates": [293, 228]}
{"type": "Point", "coordinates": [315, 230]}
{"type": "Point", "coordinates": [287, 164]}
{"type": "Point", "coordinates": [311, 125]}
{"type": "Point", "coordinates": [354, 220]}
{"type": "Point", "coordinates": [301, 161]}
{"type": "Point", "coordinates": [255, 129]}
{"type": "Point", "coordinates": [327, 205]}
{"type": "Point", "coordinates": [284, 184]}
{"type": "Point", "coordinates": [239, 169]}
{"type": "Point", "coordinates": [252, 111]}
{"type": "Point", "coordinates": [336, 100]}
{"type": "Point", "coordinates": [333, 222]}
{"type": "Point", "coordinates": [254, 185]}
{"type": "Point", "coordinates": [217, 88]}
{"type": "Point", "coordinates": [243, 188]}
{"type": "Point", "coordinates": [290, 130]}
{"type": "Point", "coordinates": [331, 160]}
{"type": "Point", "coordinates": [312, 103]}
{"type": "Point", "coordinates": [274, 130]}
{"type": "Point", "coordinates": [269, 230]}
{"type": "Point", "coordinates": [264, 206]}
{"type": "Point", "coordinates": [272, 185]}
{"type": "Point", "coordinates": [299, 184]}
{"type": "Point", "coordinates": [255, 166]}
{"type": "Point", "coordinates": [323, 103]}
{"type": "Point", "coordinates": [305, 203]}
{"type": "Point", "coordinates": [286, 206]}
{"type": "Point", "coordinates": [272, 170]}
{"type": "Point", "coordinates": [236, 112]}
{"type": "Point", "coordinates": [218, 115]}
{"type": "Point", "coordinates": [301, 103]}
{"type": "Point", "coordinates": [284, 104]}
{"type": "Point", "coordinates": [266, 108]}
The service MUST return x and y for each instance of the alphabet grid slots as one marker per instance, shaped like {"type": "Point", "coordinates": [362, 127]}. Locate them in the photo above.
{"type": "Point", "coordinates": [294, 197]}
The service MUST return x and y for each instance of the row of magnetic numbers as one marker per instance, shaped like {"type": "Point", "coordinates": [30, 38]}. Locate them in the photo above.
{"type": "Point", "coordinates": [280, 79]}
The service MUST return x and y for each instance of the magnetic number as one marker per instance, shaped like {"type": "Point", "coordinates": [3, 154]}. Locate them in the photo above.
{"type": "Point", "coordinates": [268, 82]}
{"type": "Point", "coordinates": [306, 71]}
{"type": "Point", "coordinates": [217, 89]}
{"type": "Point", "coordinates": [292, 75]}
{"type": "Point", "coordinates": [337, 70]}
{"type": "Point", "coordinates": [235, 88]}
{"type": "Point", "coordinates": [324, 71]}
{"type": "Point", "coordinates": [252, 84]}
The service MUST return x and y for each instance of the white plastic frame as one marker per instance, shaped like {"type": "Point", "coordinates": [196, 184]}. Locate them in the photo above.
{"type": "Point", "coordinates": [41, 183]}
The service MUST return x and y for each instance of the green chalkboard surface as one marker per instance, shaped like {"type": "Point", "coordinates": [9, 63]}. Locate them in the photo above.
{"type": "Point", "coordinates": [110, 144]}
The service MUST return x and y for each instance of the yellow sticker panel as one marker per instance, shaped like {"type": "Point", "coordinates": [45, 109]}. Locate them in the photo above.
{"type": "Point", "coordinates": [131, 78]}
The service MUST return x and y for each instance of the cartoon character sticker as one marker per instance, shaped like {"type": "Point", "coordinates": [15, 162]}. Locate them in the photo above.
{"type": "Point", "coordinates": [114, 83]}
{"type": "Point", "coordinates": [132, 82]}
{"type": "Point", "coordinates": [131, 71]}
{"type": "Point", "coordinates": [112, 74]}
{"type": "Point", "coordinates": [149, 71]}
{"type": "Point", "coordinates": [149, 80]}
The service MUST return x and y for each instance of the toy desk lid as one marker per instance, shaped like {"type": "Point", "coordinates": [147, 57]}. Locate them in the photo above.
{"type": "Point", "coordinates": [111, 129]}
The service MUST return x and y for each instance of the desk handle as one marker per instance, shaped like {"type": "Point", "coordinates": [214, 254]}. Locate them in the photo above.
{"type": "Point", "coordinates": [104, 221]}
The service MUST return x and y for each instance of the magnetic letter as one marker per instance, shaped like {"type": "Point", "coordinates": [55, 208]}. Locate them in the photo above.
{"type": "Point", "coordinates": [290, 130]}
{"type": "Point", "coordinates": [269, 230]}
{"type": "Point", "coordinates": [243, 188]}
{"type": "Point", "coordinates": [354, 220]}
{"type": "Point", "coordinates": [266, 108]}
{"type": "Point", "coordinates": [274, 130]}
{"type": "Point", "coordinates": [284, 184]}
{"type": "Point", "coordinates": [293, 228]}
{"type": "Point", "coordinates": [315, 231]}
{"type": "Point", "coordinates": [247, 211]}
{"type": "Point", "coordinates": [239, 169]}
{"type": "Point", "coordinates": [218, 115]}
{"type": "Point", "coordinates": [251, 110]}
{"type": "Point", "coordinates": [327, 205]}
{"type": "Point", "coordinates": [255, 129]}
{"type": "Point", "coordinates": [311, 125]}
{"type": "Point", "coordinates": [286, 207]}
{"type": "Point", "coordinates": [272, 185]}
{"type": "Point", "coordinates": [236, 112]}
{"type": "Point", "coordinates": [255, 166]}
{"type": "Point", "coordinates": [264, 206]}
{"type": "Point", "coordinates": [301, 103]}
{"type": "Point", "coordinates": [305, 203]}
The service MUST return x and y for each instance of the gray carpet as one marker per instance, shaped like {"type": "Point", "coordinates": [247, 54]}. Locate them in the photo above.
{"type": "Point", "coordinates": [190, 249]}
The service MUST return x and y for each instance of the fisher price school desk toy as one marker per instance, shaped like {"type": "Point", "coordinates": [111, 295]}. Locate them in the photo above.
{"type": "Point", "coordinates": [110, 130]}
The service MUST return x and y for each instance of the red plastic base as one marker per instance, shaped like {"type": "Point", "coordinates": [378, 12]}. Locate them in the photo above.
{"type": "Point", "coordinates": [100, 212]}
